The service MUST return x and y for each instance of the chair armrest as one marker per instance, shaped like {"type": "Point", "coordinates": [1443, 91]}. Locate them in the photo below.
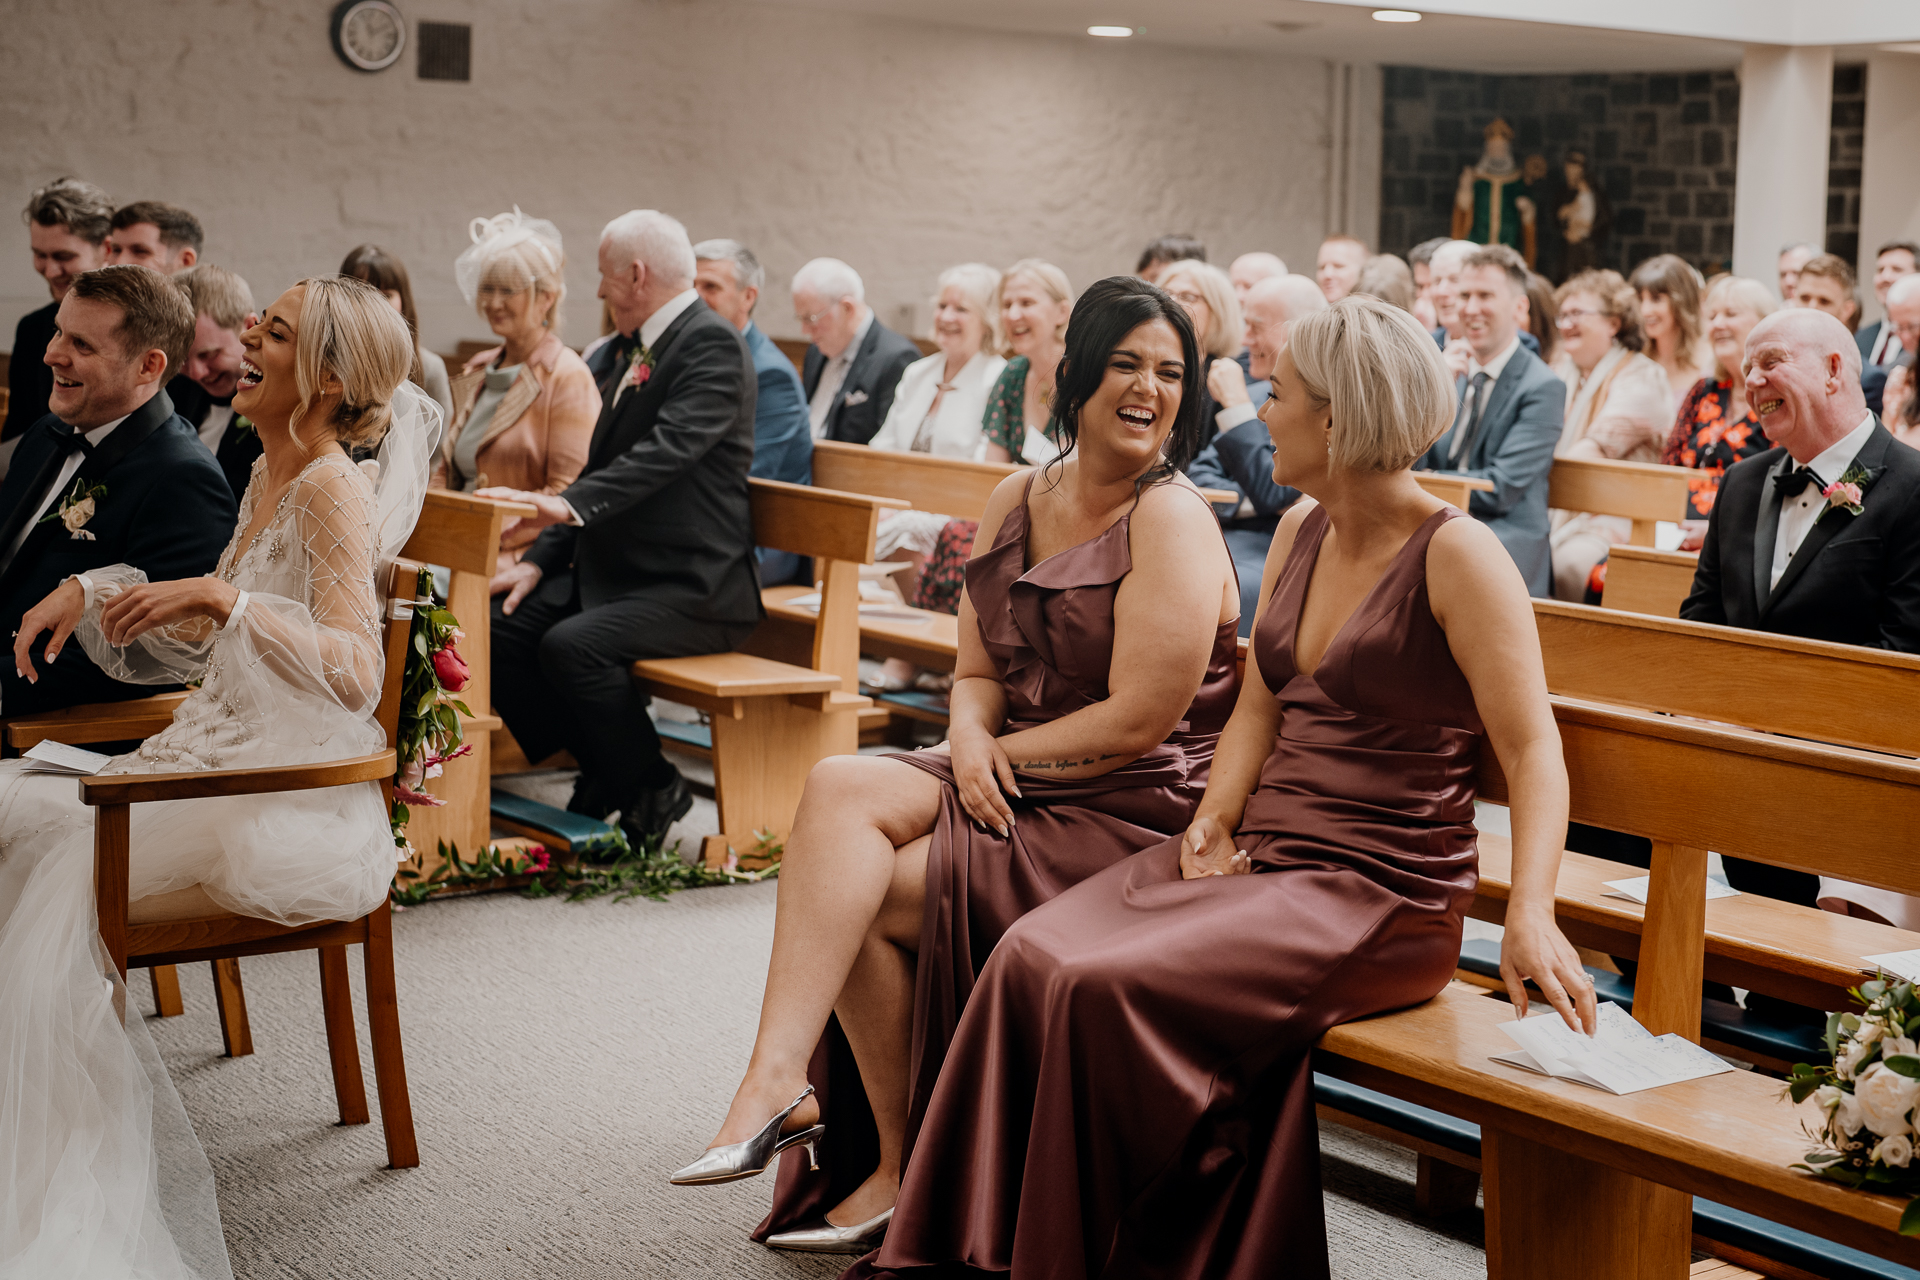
{"type": "Point", "coordinates": [134, 788]}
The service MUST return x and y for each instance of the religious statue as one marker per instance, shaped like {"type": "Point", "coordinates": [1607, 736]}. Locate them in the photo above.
{"type": "Point", "coordinates": [1494, 202]}
{"type": "Point", "coordinates": [1585, 216]}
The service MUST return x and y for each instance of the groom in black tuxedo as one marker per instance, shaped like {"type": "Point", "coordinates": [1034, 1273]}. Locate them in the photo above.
{"type": "Point", "coordinates": [649, 554]}
{"type": "Point", "coordinates": [111, 476]}
{"type": "Point", "coordinates": [1790, 547]}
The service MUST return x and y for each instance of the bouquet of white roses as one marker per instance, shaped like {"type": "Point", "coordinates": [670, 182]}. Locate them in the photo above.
{"type": "Point", "coordinates": [1867, 1095]}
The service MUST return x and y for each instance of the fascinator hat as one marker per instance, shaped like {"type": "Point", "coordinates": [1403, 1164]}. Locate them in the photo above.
{"type": "Point", "coordinates": [512, 252]}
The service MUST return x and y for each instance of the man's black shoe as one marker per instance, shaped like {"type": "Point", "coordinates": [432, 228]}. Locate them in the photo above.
{"type": "Point", "coordinates": [590, 799]}
{"type": "Point", "coordinates": [651, 813]}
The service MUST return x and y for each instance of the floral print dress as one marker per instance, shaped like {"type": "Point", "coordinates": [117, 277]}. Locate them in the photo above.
{"type": "Point", "coordinates": [1705, 440]}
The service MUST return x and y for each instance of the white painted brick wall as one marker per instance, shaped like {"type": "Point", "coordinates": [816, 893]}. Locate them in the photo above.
{"type": "Point", "coordinates": [900, 146]}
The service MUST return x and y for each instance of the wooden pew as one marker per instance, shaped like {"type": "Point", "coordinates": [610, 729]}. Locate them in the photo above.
{"type": "Point", "coordinates": [1452, 487]}
{"type": "Point", "coordinates": [1643, 580]}
{"type": "Point", "coordinates": [462, 533]}
{"type": "Point", "coordinates": [1643, 492]}
{"type": "Point", "coordinates": [1614, 1175]}
{"type": "Point", "coordinates": [775, 717]}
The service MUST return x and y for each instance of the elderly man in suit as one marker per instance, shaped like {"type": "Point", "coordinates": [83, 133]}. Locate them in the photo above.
{"type": "Point", "coordinates": [649, 554]}
{"type": "Point", "coordinates": [1509, 415]}
{"type": "Point", "coordinates": [855, 362]}
{"type": "Point", "coordinates": [1819, 536]}
{"type": "Point", "coordinates": [111, 476]}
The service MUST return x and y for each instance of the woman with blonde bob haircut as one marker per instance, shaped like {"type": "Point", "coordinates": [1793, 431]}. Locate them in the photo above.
{"type": "Point", "coordinates": [282, 644]}
{"type": "Point", "coordinates": [1207, 294]}
{"type": "Point", "coordinates": [1324, 877]}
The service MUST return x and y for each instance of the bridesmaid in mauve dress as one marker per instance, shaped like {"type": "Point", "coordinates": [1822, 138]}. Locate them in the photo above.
{"type": "Point", "coordinates": [1130, 1091]}
{"type": "Point", "coordinates": [1095, 673]}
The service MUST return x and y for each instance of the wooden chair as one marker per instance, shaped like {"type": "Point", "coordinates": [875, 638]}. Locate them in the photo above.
{"type": "Point", "coordinates": [1643, 580]}
{"type": "Point", "coordinates": [184, 926]}
{"type": "Point", "coordinates": [787, 701]}
{"type": "Point", "coordinates": [1644, 492]}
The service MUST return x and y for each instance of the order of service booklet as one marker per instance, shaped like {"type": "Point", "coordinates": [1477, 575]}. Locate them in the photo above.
{"type": "Point", "coordinates": [1620, 1057]}
{"type": "Point", "coordinates": [49, 756]}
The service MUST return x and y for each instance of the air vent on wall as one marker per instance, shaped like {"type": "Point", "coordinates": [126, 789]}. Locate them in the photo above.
{"type": "Point", "coordinates": [446, 51]}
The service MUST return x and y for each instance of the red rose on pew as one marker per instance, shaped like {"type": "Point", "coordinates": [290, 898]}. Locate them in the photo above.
{"type": "Point", "coordinates": [451, 669]}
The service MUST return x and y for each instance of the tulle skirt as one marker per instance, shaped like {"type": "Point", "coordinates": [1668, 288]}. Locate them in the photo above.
{"type": "Point", "coordinates": [101, 1177]}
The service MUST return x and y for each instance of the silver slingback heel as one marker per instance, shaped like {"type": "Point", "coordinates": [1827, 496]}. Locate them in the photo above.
{"type": "Point", "coordinates": [739, 1160]}
{"type": "Point", "coordinates": [862, 1237]}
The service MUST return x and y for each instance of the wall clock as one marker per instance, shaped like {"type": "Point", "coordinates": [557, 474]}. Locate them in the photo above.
{"type": "Point", "coordinates": [369, 35]}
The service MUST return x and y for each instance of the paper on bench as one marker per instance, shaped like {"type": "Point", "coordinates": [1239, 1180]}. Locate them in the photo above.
{"type": "Point", "coordinates": [1622, 1056]}
{"type": "Point", "coordinates": [48, 756]}
{"type": "Point", "coordinates": [1635, 889]}
{"type": "Point", "coordinates": [1901, 964]}
{"type": "Point", "coordinates": [883, 606]}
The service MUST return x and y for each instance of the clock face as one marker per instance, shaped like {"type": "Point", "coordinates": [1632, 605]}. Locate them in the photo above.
{"type": "Point", "coordinates": [369, 34]}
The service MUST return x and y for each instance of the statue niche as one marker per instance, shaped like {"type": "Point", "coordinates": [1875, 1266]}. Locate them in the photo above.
{"type": "Point", "coordinates": [1494, 201]}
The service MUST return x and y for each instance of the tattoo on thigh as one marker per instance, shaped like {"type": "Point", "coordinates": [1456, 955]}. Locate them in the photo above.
{"type": "Point", "coordinates": [1037, 766]}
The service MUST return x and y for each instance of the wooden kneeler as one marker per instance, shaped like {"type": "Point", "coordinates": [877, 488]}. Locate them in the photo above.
{"type": "Point", "coordinates": [222, 937]}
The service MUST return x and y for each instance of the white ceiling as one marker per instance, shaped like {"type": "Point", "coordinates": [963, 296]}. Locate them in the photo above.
{"type": "Point", "coordinates": [1344, 30]}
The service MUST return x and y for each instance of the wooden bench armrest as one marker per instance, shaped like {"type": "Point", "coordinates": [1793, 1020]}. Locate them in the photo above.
{"type": "Point", "coordinates": [22, 734]}
{"type": "Point", "coordinates": [138, 788]}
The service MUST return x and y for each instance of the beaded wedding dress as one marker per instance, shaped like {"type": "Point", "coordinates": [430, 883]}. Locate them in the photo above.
{"type": "Point", "coordinates": [101, 1176]}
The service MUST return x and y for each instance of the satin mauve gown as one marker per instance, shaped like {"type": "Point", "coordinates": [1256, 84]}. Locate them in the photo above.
{"type": "Point", "coordinates": [1049, 633]}
{"type": "Point", "coordinates": [1129, 1093]}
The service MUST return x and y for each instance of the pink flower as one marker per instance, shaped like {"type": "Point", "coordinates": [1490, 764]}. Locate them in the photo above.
{"type": "Point", "coordinates": [1842, 494]}
{"type": "Point", "coordinates": [451, 669]}
{"type": "Point", "coordinates": [641, 372]}
{"type": "Point", "coordinates": [538, 859]}
{"type": "Point", "coordinates": [408, 796]}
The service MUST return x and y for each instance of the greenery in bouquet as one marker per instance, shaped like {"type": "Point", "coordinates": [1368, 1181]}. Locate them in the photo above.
{"type": "Point", "coordinates": [429, 734]}
{"type": "Point", "coordinates": [1866, 1096]}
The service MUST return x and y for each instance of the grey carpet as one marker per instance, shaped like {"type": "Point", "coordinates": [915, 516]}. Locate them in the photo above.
{"type": "Point", "coordinates": [563, 1058]}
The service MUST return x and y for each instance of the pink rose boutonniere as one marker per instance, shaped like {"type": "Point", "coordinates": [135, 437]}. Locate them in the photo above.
{"type": "Point", "coordinates": [641, 369]}
{"type": "Point", "coordinates": [1848, 492]}
{"type": "Point", "coordinates": [1843, 496]}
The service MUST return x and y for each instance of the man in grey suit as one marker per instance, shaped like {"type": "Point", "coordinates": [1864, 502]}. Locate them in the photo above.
{"type": "Point", "coordinates": [649, 553]}
{"type": "Point", "coordinates": [855, 362]}
{"type": "Point", "coordinates": [1510, 410]}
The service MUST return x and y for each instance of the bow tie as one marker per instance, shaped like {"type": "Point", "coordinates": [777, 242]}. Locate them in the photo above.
{"type": "Point", "coordinates": [1795, 482]}
{"type": "Point", "coordinates": [76, 441]}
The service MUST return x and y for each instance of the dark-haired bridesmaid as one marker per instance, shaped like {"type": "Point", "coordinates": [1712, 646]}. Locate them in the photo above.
{"type": "Point", "coordinates": [1129, 1092]}
{"type": "Point", "coordinates": [1094, 674]}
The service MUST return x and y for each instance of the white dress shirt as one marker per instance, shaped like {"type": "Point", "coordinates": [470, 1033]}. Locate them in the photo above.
{"type": "Point", "coordinates": [58, 488]}
{"type": "Point", "coordinates": [1494, 367]}
{"type": "Point", "coordinates": [834, 376]}
{"type": "Point", "coordinates": [218, 416]}
{"type": "Point", "coordinates": [1799, 514]}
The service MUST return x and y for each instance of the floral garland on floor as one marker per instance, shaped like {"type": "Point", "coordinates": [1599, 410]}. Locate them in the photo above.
{"type": "Point", "coordinates": [1867, 1097]}
{"type": "Point", "coordinates": [429, 735]}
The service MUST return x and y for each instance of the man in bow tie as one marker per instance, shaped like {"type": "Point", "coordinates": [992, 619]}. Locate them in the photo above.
{"type": "Point", "coordinates": [111, 476]}
{"type": "Point", "coordinates": [649, 554]}
{"type": "Point", "coordinates": [1819, 536]}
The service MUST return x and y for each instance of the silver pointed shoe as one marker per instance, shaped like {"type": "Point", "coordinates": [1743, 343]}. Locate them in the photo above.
{"type": "Point", "coordinates": [739, 1160]}
{"type": "Point", "coordinates": [862, 1237]}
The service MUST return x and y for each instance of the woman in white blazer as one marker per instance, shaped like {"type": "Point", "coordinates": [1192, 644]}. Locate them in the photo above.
{"type": "Point", "coordinates": [941, 401]}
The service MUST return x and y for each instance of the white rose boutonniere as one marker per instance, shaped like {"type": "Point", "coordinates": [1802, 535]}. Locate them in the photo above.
{"type": "Point", "coordinates": [76, 509]}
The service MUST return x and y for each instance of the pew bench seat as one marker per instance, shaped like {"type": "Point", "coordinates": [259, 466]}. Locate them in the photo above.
{"type": "Point", "coordinates": [1723, 1230]}
{"type": "Point", "coordinates": [1796, 953]}
{"type": "Point", "coordinates": [769, 721]}
{"type": "Point", "coordinates": [1728, 1138]}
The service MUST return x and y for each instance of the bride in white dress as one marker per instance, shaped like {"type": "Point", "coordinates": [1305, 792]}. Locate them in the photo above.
{"type": "Point", "coordinates": [100, 1174]}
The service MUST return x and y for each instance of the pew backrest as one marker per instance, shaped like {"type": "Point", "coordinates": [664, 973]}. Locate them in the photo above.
{"type": "Point", "coordinates": [1644, 492]}
{"type": "Point", "coordinates": [836, 530]}
{"type": "Point", "coordinates": [1811, 689]}
{"type": "Point", "coordinates": [1452, 487]}
{"type": "Point", "coordinates": [1643, 580]}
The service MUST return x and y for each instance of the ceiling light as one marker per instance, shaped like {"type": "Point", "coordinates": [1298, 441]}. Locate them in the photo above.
{"type": "Point", "coordinates": [1395, 15]}
{"type": "Point", "coordinates": [1114, 32]}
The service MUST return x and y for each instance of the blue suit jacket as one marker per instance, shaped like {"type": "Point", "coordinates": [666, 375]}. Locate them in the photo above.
{"type": "Point", "coordinates": [782, 434]}
{"type": "Point", "coordinates": [1514, 449]}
